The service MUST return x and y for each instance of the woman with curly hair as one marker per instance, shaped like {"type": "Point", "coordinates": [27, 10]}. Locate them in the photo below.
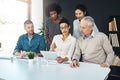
{"type": "Point", "coordinates": [52, 23]}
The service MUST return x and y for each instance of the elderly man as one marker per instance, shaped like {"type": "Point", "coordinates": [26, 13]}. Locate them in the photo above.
{"type": "Point", "coordinates": [94, 47]}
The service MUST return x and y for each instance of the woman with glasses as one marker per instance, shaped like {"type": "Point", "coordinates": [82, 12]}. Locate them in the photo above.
{"type": "Point", "coordinates": [63, 44]}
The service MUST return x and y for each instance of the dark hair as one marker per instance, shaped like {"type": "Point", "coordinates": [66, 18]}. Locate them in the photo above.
{"type": "Point", "coordinates": [28, 22]}
{"type": "Point", "coordinates": [53, 7]}
{"type": "Point", "coordinates": [64, 20]}
{"type": "Point", "coordinates": [82, 8]}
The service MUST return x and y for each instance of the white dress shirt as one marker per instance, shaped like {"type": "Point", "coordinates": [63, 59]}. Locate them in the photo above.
{"type": "Point", "coordinates": [64, 48]}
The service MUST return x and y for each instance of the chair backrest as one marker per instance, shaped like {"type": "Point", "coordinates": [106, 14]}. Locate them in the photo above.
{"type": "Point", "coordinates": [114, 73]}
{"type": "Point", "coordinates": [116, 61]}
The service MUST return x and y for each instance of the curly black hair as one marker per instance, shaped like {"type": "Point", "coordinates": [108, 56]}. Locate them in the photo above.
{"type": "Point", "coordinates": [82, 8]}
{"type": "Point", "coordinates": [53, 7]}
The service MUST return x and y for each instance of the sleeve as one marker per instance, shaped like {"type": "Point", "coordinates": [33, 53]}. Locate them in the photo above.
{"type": "Point", "coordinates": [53, 45]}
{"type": "Point", "coordinates": [74, 28]}
{"type": "Point", "coordinates": [71, 49]}
{"type": "Point", "coordinates": [77, 53]}
{"type": "Point", "coordinates": [18, 46]}
{"type": "Point", "coordinates": [54, 39]}
{"type": "Point", "coordinates": [47, 21]}
{"type": "Point", "coordinates": [42, 45]}
{"type": "Point", "coordinates": [108, 50]}
{"type": "Point", "coordinates": [95, 28]}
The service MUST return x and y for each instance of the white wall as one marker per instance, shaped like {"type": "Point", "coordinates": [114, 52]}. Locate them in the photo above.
{"type": "Point", "coordinates": [37, 13]}
{"type": "Point", "coordinates": [10, 31]}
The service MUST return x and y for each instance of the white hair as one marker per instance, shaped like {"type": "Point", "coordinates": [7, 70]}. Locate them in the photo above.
{"type": "Point", "coordinates": [89, 20]}
{"type": "Point", "coordinates": [91, 23]}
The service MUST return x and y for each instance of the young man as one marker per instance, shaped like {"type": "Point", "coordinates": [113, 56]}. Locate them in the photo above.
{"type": "Point", "coordinates": [29, 41]}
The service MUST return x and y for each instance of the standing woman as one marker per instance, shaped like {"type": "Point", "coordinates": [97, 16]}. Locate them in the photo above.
{"type": "Point", "coordinates": [52, 23]}
{"type": "Point", "coordinates": [80, 12]}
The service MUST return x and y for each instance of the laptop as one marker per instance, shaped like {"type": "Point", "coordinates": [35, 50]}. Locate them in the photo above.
{"type": "Point", "coordinates": [49, 55]}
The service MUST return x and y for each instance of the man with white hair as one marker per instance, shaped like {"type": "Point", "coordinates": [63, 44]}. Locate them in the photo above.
{"type": "Point", "coordinates": [93, 46]}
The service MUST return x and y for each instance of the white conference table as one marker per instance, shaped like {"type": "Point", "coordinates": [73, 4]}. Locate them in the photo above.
{"type": "Point", "coordinates": [20, 69]}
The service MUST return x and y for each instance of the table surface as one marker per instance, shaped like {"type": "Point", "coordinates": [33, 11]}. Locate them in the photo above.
{"type": "Point", "coordinates": [40, 69]}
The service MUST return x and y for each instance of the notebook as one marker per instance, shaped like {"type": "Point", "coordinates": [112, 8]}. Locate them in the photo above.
{"type": "Point", "coordinates": [49, 55]}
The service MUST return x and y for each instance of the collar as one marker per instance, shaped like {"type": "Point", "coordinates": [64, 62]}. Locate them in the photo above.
{"type": "Point", "coordinates": [26, 35]}
{"type": "Point", "coordinates": [91, 36]}
{"type": "Point", "coordinates": [78, 20]}
{"type": "Point", "coordinates": [69, 36]}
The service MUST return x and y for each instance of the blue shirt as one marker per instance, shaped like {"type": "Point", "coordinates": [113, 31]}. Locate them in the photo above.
{"type": "Point", "coordinates": [36, 43]}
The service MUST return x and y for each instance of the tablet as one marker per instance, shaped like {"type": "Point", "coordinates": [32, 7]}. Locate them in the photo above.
{"type": "Point", "coordinates": [49, 55]}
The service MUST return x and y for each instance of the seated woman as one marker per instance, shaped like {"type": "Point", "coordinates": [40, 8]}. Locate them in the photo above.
{"type": "Point", "coordinates": [63, 44]}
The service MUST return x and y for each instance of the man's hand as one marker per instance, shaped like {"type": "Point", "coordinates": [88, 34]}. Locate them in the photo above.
{"type": "Point", "coordinates": [23, 54]}
{"type": "Point", "coordinates": [104, 65]}
{"type": "Point", "coordinates": [74, 63]}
